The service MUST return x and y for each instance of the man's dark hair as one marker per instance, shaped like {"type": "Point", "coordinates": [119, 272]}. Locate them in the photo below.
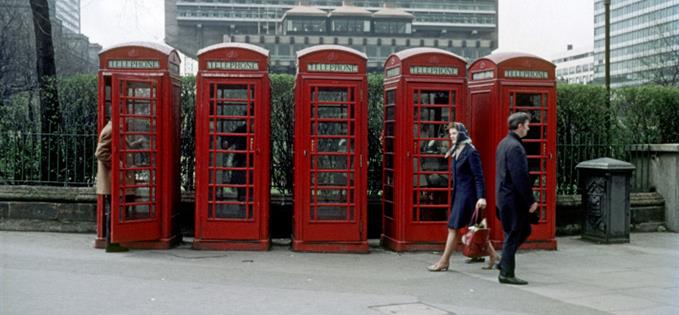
{"type": "Point", "coordinates": [517, 118]}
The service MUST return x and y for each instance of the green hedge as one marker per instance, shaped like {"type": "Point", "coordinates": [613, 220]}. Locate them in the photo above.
{"type": "Point", "coordinates": [585, 129]}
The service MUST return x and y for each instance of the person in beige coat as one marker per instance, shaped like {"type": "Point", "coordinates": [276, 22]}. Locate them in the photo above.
{"type": "Point", "coordinates": [103, 154]}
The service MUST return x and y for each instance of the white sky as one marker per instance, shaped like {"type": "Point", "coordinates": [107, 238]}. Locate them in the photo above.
{"type": "Point", "coordinates": [540, 27]}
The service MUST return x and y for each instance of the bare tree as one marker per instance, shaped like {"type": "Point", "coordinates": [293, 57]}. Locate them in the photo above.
{"type": "Point", "coordinates": [661, 60]}
{"type": "Point", "coordinates": [16, 57]}
{"type": "Point", "coordinates": [49, 97]}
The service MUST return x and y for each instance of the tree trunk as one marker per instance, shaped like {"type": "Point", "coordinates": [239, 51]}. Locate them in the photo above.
{"type": "Point", "coordinates": [49, 98]}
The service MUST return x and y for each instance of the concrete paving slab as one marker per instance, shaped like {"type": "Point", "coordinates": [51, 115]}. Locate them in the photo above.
{"type": "Point", "coordinates": [62, 274]}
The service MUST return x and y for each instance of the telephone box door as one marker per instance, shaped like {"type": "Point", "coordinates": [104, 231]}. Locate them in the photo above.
{"type": "Point", "coordinates": [333, 161]}
{"type": "Point", "coordinates": [134, 164]}
{"type": "Point", "coordinates": [432, 107]}
{"type": "Point", "coordinates": [540, 148]}
{"type": "Point", "coordinates": [232, 188]}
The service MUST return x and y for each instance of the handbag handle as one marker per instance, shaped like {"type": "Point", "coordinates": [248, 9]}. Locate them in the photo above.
{"type": "Point", "coordinates": [475, 216]}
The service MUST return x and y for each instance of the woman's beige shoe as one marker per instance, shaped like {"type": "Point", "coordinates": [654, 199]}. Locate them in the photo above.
{"type": "Point", "coordinates": [436, 268]}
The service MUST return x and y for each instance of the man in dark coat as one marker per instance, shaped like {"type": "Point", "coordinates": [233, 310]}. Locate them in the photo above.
{"type": "Point", "coordinates": [513, 193]}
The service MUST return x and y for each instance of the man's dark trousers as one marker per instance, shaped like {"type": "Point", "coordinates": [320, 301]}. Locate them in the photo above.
{"type": "Point", "coordinates": [512, 242]}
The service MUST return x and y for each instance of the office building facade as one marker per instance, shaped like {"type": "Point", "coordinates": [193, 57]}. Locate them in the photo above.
{"type": "Point", "coordinates": [377, 28]}
{"type": "Point", "coordinates": [575, 66]}
{"type": "Point", "coordinates": [644, 41]}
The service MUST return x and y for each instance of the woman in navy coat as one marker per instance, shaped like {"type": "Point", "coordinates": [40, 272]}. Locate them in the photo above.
{"type": "Point", "coordinates": [468, 190]}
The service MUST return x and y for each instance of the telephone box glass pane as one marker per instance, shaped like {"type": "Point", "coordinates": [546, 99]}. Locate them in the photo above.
{"type": "Point", "coordinates": [232, 130]}
{"type": "Point", "coordinates": [137, 149]}
{"type": "Point", "coordinates": [332, 146]}
{"type": "Point", "coordinates": [432, 110]}
{"type": "Point", "coordinates": [535, 142]}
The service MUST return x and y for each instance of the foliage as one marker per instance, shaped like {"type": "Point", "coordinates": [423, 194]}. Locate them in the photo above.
{"type": "Point", "coordinates": [585, 129]}
{"type": "Point", "coordinates": [648, 114]}
{"type": "Point", "coordinates": [282, 131]}
{"type": "Point", "coordinates": [188, 132]}
{"type": "Point", "coordinates": [375, 125]}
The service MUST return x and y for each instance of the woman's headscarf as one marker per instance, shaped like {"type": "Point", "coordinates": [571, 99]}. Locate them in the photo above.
{"type": "Point", "coordinates": [462, 137]}
{"type": "Point", "coordinates": [462, 134]}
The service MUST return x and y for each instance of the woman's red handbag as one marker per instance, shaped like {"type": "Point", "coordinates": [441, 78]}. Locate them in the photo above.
{"type": "Point", "coordinates": [476, 239]}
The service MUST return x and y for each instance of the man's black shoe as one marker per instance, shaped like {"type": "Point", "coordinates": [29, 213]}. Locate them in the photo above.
{"type": "Point", "coordinates": [116, 248]}
{"type": "Point", "coordinates": [511, 280]}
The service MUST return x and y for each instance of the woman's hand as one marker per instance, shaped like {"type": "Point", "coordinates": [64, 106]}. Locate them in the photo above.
{"type": "Point", "coordinates": [481, 203]}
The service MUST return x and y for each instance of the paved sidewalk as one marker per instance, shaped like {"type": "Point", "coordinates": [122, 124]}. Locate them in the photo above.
{"type": "Point", "coordinates": [52, 273]}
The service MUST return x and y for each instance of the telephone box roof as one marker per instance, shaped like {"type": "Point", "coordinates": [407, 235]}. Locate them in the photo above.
{"type": "Point", "coordinates": [234, 45]}
{"type": "Point", "coordinates": [501, 57]}
{"type": "Point", "coordinates": [162, 48]}
{"type": "Point", "coordinates": [317, 48]}
{"type": "Point", "coordinates": [407, 53]}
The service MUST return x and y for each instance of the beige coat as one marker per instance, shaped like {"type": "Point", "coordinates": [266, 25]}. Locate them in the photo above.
{"type": "Point", "coordinates": [103, 154]}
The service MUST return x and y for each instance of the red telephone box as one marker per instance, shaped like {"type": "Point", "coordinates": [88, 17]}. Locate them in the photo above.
{"type": "Point", "coordinates": [330, 171]}
{"type": "Point", "coordinates": [501, 84]}
{"type": "Point", "coordinates": [423, 89]}
{"type": "Point", "coordinates": [139, 91]}
{"type": "Point", "coordinates": [232, 148]}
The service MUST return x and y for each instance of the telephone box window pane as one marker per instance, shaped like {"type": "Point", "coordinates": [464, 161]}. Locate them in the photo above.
{"type": "Point", "coordinates": [434, 146]}
{"type": "Point", "coordinates": [441, 114]}
{"type": "Point", "coordinates": [390, 115]}
{"type": "Point", "coordinates": [326, 128]}
{"type": "Point", "coordinates": [430, 180]}
{"type": "Point", "coordinates": [233, 91]}
{"type": "Point", "coordinates": [335, 145]}
{"type": "Point", "coordinates": [433, 214]}
{"type": "Point", "coordinates": [139, 142]}
{"type": "Point", "coordinates": [330, 112]}
{"type": "Point", "coordinates": [528, 99]}
{"type": "Point", "coordinates": [432, 97]}
{"type": "Point", "coordinates": [332, 162]}
{"type": "Point", "coordinates": [389, 161]}
{"type": "Point", "coordinates": [329, 179]}
{"type": "Point", "coordinates": [391, 97]}
{"type": "Point", "coordinates": [329, 195]}
{"type": "Point", "coordinates": [231, 126]}
{"type": "Point", "coordinates": [389, 145]}
{"type": "Point", "coordinates": [140, 89]}
{"type": "Point", "coordinates": [432, 197]}
{"type": "Point", "coordinates": [430, 130]}
{"type": "Point", "coordinates": [330, 94]}
{"type": "Point", "coordinates": [389, 129]}
{"type": "Point", "coordinates": [389, 178]}
{"type": "Point", "coordinates": [136, 212]}
{"type": "Point", "coordinates": [144, 194]}
{"type": "Point", "coordinates": [232, 109]}
{"type": "Point", "coordinates": [138, 107]}
{"type": "Point", "coordinates": [388, 209]}
{"type": "Point", "coordinates": [430, 164]}
{"type": "Point", "coordinates": [231, 211]}
{"type": "Point", "coordinates": [331, 213]}
{"type": "Point", "coordinates": [137, 125]}
{"type": "Point", "coordinates": [139, 159]}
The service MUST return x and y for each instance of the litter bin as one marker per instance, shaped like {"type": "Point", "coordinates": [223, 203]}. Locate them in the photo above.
{"type": "Point", "coordinates": [605, 189]}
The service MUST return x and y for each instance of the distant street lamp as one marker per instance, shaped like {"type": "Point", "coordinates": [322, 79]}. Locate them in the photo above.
{"type": "Point", "coordinates": [607, 47]}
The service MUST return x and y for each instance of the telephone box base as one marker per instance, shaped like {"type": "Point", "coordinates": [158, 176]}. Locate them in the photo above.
{"type": "Point", "coordinates": [360, 247]}
{"type": "Point", "coordinates": [249, 245]}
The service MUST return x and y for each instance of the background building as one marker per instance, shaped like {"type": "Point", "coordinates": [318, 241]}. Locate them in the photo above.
{"type": "Point", "coordinates": [377, 28]}
{"type": "Point", "coordinates": [644, 42]}
{"type": "Point", "coordinates": [575, 65]}
{"type": "Point", "coordinates": [68, 12]}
